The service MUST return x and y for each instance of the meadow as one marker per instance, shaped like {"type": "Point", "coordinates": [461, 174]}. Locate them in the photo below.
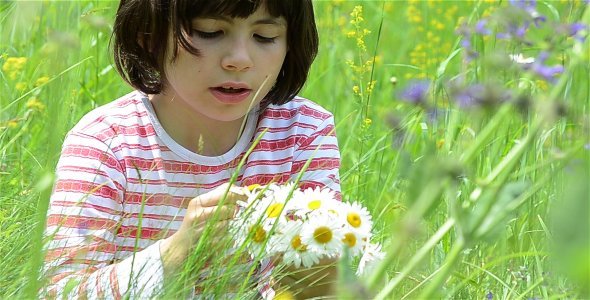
{"type": "Point", "coordinates": [464, 128]}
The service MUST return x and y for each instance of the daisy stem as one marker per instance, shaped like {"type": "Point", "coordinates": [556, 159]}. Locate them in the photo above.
{"type": "Point", "coordinates": [416, 259]}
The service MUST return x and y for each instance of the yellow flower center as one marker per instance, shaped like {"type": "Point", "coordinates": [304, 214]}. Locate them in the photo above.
{"type": "Point", "coordinates": [253, 187]}
{"type": "Point", "coordinates": [284, 295]}
{"type": "Point", "coordinates": [258, 233]}
{"type": "Point", "coordinates": [354, 219]}
{"type": "Point", "coordinates": [297, 245]}
{"type": "Point", "coordinates": [314, 204]}
{"type": "Point", "coordinates": [274, 210]}
{"type": "Point", "coordinates": [322, 235]}
{"type": "Point", "coordinates": [349, 239]}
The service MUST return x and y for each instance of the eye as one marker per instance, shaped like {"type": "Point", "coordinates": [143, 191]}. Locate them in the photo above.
{"type": "Point", "coordinates": [263, 39]}
{"type": "Point", "coordinates": [207, 34]}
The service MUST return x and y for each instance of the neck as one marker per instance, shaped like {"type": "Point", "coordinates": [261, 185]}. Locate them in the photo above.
{"type": "Point", "coordinates": [195, 131]}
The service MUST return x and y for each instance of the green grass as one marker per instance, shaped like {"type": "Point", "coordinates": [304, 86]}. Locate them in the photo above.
{"type": "Point", "coordinates": [510, 191]}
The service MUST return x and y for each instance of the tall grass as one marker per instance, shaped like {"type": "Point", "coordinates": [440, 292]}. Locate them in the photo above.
{"type": "Point", "coordinates": [469, 204]}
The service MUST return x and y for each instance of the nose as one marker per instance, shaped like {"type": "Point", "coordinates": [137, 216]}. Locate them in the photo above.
{"type": "Point", "coordinates": [238, 56]}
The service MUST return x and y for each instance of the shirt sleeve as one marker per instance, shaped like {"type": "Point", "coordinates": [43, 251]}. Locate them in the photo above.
{"type": "Point", "coordinates": [84, 216]}
{"type": "Point", "coordinates": [320, 150]}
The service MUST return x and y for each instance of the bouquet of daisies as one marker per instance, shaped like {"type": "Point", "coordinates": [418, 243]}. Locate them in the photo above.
{"type": "Point", "coordinates": [303, 226]}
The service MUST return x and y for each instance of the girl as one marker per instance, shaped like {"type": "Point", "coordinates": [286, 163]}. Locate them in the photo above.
{"type": "Point", "coordinates": [138, 178]}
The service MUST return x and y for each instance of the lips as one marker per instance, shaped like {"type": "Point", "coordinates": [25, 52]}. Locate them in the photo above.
{"type": "Point", "coordinates": [231, 93]}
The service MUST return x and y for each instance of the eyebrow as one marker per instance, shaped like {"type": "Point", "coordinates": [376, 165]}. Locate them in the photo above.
{"type": "Point", "coordinates": [265, 21]}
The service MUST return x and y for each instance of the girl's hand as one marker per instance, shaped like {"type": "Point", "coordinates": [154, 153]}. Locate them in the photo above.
{"type": "Point", "coordinates": [175, 249]}
{"type": "Point", "coordinates": [316, 281]}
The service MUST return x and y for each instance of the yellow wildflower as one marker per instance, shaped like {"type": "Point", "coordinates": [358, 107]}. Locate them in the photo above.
{"type": "Point", "coordinates": [41, 81]}
{"type": "Point", "coordinates": [371, 86]}
{"type": "Point", "coordinates": [34, 104]}
{"type": "Point", "coordinates": [357, 15]}
{"type": "Point", "coordinates": [13, 66]}
{"type": "Point", "coordinates": [21, 86]}
{"type": "Point", "coordinates": [12, 123]}
{"type": "Point", "coordinates": [356, 89]}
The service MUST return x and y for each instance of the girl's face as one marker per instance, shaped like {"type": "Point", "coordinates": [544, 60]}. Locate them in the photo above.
{"type": "Point", "coordinates": [239, 59]}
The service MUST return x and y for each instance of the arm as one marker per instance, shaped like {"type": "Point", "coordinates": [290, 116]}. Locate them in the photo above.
{"type": "Point", "coordinates": [84, 216]}
{"type": "Point", "coordinates": [321, 150]}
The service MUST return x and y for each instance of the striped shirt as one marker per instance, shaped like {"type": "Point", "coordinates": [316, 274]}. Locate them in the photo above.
{"type": "Point", "coordinates": [119, 168]}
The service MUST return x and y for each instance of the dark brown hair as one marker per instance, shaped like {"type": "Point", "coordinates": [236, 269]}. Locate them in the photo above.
{"type": "Point", "coordinates": [141, 30]}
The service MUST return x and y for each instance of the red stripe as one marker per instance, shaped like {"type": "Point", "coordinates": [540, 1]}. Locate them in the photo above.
{"type": "Point", "coordinates": [146, 232]}
{"type": "Point", "coordinates": [79, 186]}
{"type": "Point", "coordinates": [82, 151]}
{"type": "Point", "coordinates": [282, 144]}
{"type": "Point", "coordinates": [264, 179]}
{"type": "Point", "coordinates": [81, 222]}
{"type": "Point", "coordinates": [326, 163]}
{"type": "Point", "coordinates": [171, 166]}
{"type": "Point", "coordinates": [156, 199]}
{"type": "Point", "coordinates": [282, 113]}
{"type": "Point", "coordinates": [133, 130]}
{"type": "Point", "coordinates": [75, 253]}
{"type": "Point", "coordinates": [286, 128]}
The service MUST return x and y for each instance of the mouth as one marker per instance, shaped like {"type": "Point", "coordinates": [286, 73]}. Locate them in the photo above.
{"type": "Point", "coordinates": [231, 93]}
{"type": "Point", "coordinates": [230, 90]}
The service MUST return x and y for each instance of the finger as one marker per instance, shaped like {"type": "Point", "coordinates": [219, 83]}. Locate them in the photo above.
{"type": "Point", "coordinates": [215, 196]}
{"type": "Point", "coordinates": [218, 228]}
{"type": "Point", "coordinates": [219, 213]}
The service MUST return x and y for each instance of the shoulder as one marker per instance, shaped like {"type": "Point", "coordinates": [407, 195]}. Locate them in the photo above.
{"type": "Point", "coordinates": [297, 110]}
{"type": "Point", "coordinates": [127, 114]}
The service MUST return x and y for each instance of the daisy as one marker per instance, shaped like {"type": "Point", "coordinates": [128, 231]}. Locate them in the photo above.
{"type": "Point", "coordinates": [357, 218]}
{"type": "Point", "coordinates": [371, 256]}
{"type": "Point", "coordinates": [275, 201]}
{"type": "Point", "coordinates": [311, 200]}
{"type": "Point", "coordinates": [323, 234]}
{"type": "Point", "coordinates": [295, 252]}
{"type": "Point", "coordinates": [251, 232]}
{"type": "Point", "coordinates": [354, 241]}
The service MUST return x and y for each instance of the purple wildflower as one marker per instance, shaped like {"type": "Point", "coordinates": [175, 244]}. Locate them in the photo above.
{"type": "Point", "coordinates": [466, 34]}
{"type": "Point", "coordinates": [538, 67]}
{"type": "Point", "coordinates": [530, 7]}
{"type": "Point", "coordinates": [587, 146]}
{"type": "Point", "coordinates": [480, 95]}
{"type": "Point", "coordinates": [578, 31]}
{"type": "Point", "coordinates": [480, 27]}
{"type": "Point", "coordinates": [415, 92]}
{"type": "Point", "coordinates": [489, 296]}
